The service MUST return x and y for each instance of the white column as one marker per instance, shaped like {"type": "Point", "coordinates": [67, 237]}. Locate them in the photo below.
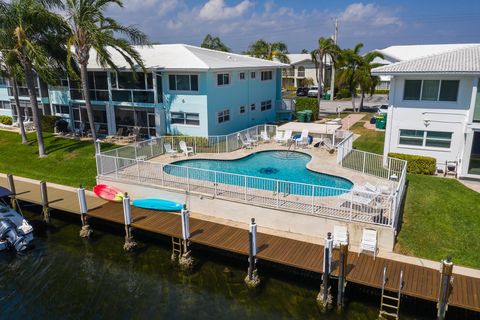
{"type": "Point", "coordinates": [111, 123]}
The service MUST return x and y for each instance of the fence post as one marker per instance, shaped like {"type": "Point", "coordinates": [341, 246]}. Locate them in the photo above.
{"type": "Point", "coordinates": [151, 148]}
{"type": "Point", "coordinates": [218, 144]}
{"type": "Point", "coordinates": [313, 198]}
{"type": "Point", "coordinates": [82, 201]}
{"type": "Point", "coordinates": [195, 144]}
{"type": "Point", "coordinates": [364, 159]}
{"type": "Point", "coordinates": [351, 205]}
{"type": "Point", "coordinates": [252, 280]}
{"type": "Point", "coordinates": [445, 287]}
{"type": "Point", "coordinates": [135, 149]}
{"type": "Point", "coordinates": [138, 169]}
{"type": "Point", "coordinates": [226, 144]}
{"type": "Point", "coordinates": [116, 168]}
{"type": "Point", "coordinates": [278, 194]}
{"type": "Point", "coordinates": [44, 196]}
{"type": "Point", "coordinates": [162, 167]}
{"type": "Point", "coordinates": [188, 180]}
{"type": "Point", "coordinates": [215, 183]}
{"type": "Point", "coordinates": [245, 190]}
{"type": "Point", "coordinates": [389, 166]}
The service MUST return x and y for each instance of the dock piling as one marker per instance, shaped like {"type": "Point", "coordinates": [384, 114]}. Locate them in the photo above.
{"type": "Point", "coordinates": [186, 259]}
{"type": "Point", "coordinates": [342, 275]}
{"type": "Point", "coordinates": [130, 244]}
{"type": "Point", "coordinates": [44, 198]}
{"type": "Point", "coordinates": [252, 280]}
{"type": "Point", "coordinates": [82, 200]}
{"type": "Point", "coordinates": [324, 298]}
{"type": "Point", "coordinates": [445, 287]}
{"type": "Point", "coordinates": [11, 186]}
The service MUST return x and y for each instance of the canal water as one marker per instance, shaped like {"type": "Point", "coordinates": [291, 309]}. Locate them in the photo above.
{"type": "Point", "coordinates": [66, 277]}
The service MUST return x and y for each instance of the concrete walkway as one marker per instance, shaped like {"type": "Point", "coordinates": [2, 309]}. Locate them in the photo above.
{"type": "Point", "coordinates": [350, 120]}
{"type": "Point", "coordinates": [474, 185]}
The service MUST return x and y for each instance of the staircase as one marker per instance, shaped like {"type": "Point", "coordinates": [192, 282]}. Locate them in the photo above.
{"type": "Point", "coordinates": [390, 302]}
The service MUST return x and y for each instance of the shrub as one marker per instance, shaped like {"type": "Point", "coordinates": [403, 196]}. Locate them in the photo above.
{"type": "Point", "coordinates": [291, 88]}
{"type": "Point", "coordinates": [417, 164]}
{"type": "Point", "coordinates": [6, 120]}
{"type": "Point", "coordinates": [343, 93]}
{"type": "Point", "coordinates": [307, 104]}
{"type": "Point", "coordinates": [382, 91]}
{"type": "Point", "coordinates": [48, 122]}
{"type": "Point", "coordinates": [61, 125]}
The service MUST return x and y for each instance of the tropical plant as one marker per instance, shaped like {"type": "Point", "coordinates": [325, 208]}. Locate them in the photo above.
{"type": "Point", "coordinates": [349, 76]}
{"type": "Point", "coordinates": [35, 35]}
{"type": "Point", "coordinates": [304, 51]}
{"type": "Point", "coordinates": [266, 50]}
{"type": "Point", "coordinates": [326, 48]}
{"type": "Point", "coordinates": [90, 29]}
{"type": "Point", "coordinates": [11, 70]}
{"type": "Point", "coordinates": [367, 81]}
{"type": "Point", "coordinates": [214, 43]}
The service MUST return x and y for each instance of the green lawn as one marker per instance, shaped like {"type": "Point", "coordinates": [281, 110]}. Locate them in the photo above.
{"type": "Point", "coordinates": [369, 140]}
{"type": "Point", "coordinates": [70, 162]}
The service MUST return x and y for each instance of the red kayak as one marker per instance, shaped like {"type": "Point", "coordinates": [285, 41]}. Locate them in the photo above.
{"type": "Point", "coordinates": [108, 192]}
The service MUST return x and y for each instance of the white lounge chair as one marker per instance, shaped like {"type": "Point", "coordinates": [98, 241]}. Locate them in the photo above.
{"type": "Point", "coordinates": [369, 241]}
{"type": "Point", "coordinates": [286, 137]}
{"type": "Point", "coordinates": [245, 143]}
{"type": "Point", "coordinates": [185, 149]}
{"type": "Point", "coordinates": [264, 136]}
{"type": "Point", "coordinates": [340, 235]}
{"type": "Point", "coordinates": [360, 197]}
{"type": "Point", "coordinates": [279, 136]}
{"type": "Point", "coordinates": [250, 140]}
{"type": "Point", "coordinates": [169, 150]}
{"type": "Point", "coordinates": [303, 140]}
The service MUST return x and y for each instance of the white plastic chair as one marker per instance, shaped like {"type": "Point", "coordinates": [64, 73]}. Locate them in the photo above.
{"type": "Point", "coordinates": [185, 149]}
{"type": "Point", "coordinates": [369, 241]}
{"type": "Point", "coordinates": [264, 136]}
{"type": "Point", "coordinates": [250, 140]}
{"type": "Point", "coordinates": [279, 136]}
{"type": "Point", "coordinates": [340, 235]}
{"type": "Point", "coordinates": [245, 143]}
{"type": "Point", "coordinates": [287, 136]}
{"type": "Point", "coordinates": [303, 140]}
{"type": "Point", "coordinates": [169, 150]}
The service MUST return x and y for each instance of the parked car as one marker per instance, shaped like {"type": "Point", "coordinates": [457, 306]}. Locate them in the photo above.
{"type": "Point", "coordinates": [382, 109]}
{"type": "Point", "coordinates": [302, 92]}
{"type": "Point", "coordinates": [313, 92]}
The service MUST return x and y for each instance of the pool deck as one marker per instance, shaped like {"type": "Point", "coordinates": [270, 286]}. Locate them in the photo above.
{"type": "Point", "coordinates": [322, 161]}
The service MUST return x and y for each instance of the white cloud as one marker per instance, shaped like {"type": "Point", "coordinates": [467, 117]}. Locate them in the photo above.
{"type": "Point", "coordinates": [218, 10]}
{"type": "Point", "coordinates": [369, 14]}
{"type": "Point", "coordinates": [166, 6]}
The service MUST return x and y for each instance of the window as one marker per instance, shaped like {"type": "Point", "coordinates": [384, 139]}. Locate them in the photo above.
{"type": "Point", "coordinates": [420, 138]}
{"type": "Point", "coordinates": [266, 105]}
{"type": "Point", "coordinates": [242, 109]}
{"type": "Point", "coordinates": [192, 119]}
{"type": "Point", "coordinates": [183, 82]}
{"type": "Point", "coordinates": [431, 90]}
{"type": "Point", "coordinates": [242, 75]}
{"type": "Point", "coordinates": [5, 105]}
{"type": "Point", "coordinates": [266, 75]}
{"type": "Point", "coordinates": [252, 107]}
{"type": "Point", "coordinates": [252, 75]}
{"type": "Point", "coordinates": [3, 82]}
{"type": "Point", "coordinates": [223, 79]}
{"type": "Point", "coordinates": [61, 109]}
{"type": "Point", "coordinates": [223, 116]}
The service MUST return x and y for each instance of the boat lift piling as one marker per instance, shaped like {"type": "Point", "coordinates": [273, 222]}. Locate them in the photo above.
{"type": "Point", "coordinates": [324, 297]}
{"type": "Point", "coordinates": [342, 273]}
{"type": "Point", "coordinates": [252, 280]}
{"type": "Point", "coordinates": [44, 198]}
{"type": "Point", "coordinates": [82, 201]}
{"type": "Point", "coordinates": [130, 243]}
{"type": "Point", "coordinates": [11, 186]}
{"type": "Point", "coordinates": [186, 260]}
{"type": "Point", "coordinates": [446, 280]}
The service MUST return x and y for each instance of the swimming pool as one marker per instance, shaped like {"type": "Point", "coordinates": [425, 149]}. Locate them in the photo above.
{"type": "Point", "coordinates": [286, 166]}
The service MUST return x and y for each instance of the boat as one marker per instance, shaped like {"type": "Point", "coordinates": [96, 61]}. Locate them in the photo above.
{"type": "Point", "coordinates": [157, 204]}
{"type": "Point", "coordinates": [109, 193]}
{"type": "Point", "coordinates": [15, 231]}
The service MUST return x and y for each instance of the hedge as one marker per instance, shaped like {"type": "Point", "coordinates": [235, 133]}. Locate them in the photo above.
{"type": "Point", "coordinates": [48, 122]}
{"type": "Point", "coordinates": [382, 91]}
{"type": "Point", "coordinates": [417, 164]}
{"type": "Point", "coordinates": [6, 120]}
{"type": "Point", "coordinates": [307, 104]}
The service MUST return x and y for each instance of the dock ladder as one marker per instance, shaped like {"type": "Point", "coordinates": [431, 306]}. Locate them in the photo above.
{"type": "Point", "coordinates": [390, 303]}
{"type": "Point", "coordinates": [177, 247]}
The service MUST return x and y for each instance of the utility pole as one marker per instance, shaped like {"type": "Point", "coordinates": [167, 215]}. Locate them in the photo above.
{"type": "Point", "coordinates": [332, 80]}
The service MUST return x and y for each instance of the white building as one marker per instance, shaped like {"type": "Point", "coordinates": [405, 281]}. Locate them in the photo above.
{"type": "Point", "coordinates": [302, 68]}
{"type": "Point", "coordinates": [394, 54]}
{"type": "Point", "coordinates": [435, 108]}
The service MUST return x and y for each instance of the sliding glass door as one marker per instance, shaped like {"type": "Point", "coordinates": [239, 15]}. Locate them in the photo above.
{"type": "Point", "coordinates": [474, 164]}
{"type": "Point", "coordinates": [129, 118]}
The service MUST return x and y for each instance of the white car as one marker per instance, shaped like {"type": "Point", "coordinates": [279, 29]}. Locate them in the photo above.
{"type": "Point", "coordinates": [382, 109]}
{"type": "Point", "coordinates": [313, 92]}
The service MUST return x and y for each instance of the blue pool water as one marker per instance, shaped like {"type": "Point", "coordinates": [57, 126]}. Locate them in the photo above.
{"type": "Point", "coordinates": [278, 165]}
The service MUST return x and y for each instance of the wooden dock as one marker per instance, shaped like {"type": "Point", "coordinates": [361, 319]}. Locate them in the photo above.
{"type": "Point", "coordinates": [419, 281]}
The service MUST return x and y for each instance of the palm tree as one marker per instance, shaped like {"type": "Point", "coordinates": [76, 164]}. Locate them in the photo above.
{"type": "Point", "coordinates": [367, 81]}
{"type": "Point", "coordinates": [326, 47]}
{"type": "Point", "coordinates": [214, 43]}
{"type": "Point", "coordinates": [90, 29]}
{"type": "Point", "coordinates": [11, 69]}
{"type": "Point", "coordinates": [349, 75]}
{"type": "Point", "coordinates": [266, 50]}
{"type": "Point", "coordinates": [33, 33]}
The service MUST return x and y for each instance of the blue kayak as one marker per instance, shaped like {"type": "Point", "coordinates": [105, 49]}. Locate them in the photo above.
{"type": "Point", "coordinates": [158, 204]}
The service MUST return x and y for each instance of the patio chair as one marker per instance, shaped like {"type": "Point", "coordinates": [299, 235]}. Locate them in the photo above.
{"type": "Point", "coordinates": [250, 140]}
{"type": "Point", "coordinates": [244, 142]}
{"type": "Point", "coordinates": [303, 140]}
{"type": "Point", "coordinates": [360, 197]}
{"type": "Point", "coordinates": [169, 150]}
{"type": "Point", "coordinates": [340, 235]}
{"type": "Point", "coordinates": [286, 137]}
{"type": "Point", "coordinates": [279, 136]}
{"type": "Point", "coordinates": [264, 137]}
{"type": "Point", "coordinates": [185, 149]}
{"type": "Point", "coordinates": [369, 241]}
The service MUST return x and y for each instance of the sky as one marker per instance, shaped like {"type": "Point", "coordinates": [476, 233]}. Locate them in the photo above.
{"type": "Point", "coordinates": [299, 23]}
